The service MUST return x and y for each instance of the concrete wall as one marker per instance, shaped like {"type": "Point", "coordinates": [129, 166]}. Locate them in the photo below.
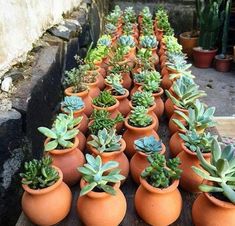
{"type": "Point", "coordinates": [22, 22]}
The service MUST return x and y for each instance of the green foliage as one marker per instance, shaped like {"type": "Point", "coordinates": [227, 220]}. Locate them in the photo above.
{"type": "Point", "coordinates": [220, 171]}
{"type": "Point", "coordinates": [148, 42]}
{"type": "Point", "coordinates": [144, 99]}
{"type": "Point", "coordinates": [145, 12]}
{"type": "Point", "coordinates": [110, 29]}
{"type": "Point", "coordinates": [129, 15]}
{"type": "Point", "coordinates": [161, 173]}
{"type": "Point", "coordinates": [172, 44]}
{"type": "Point", "coordinates": [105, 99]}
{"type": "Point", "coordinates": [68, 119]}
{"type": "Point", "coordinates": [198, 117]}
{"type": "Point", "coordinates": [144, 58]}
{"type": "Point", "coordinates": [139, 117]}
{"type": "Point", "coordinates": [39, 174]}
{"type": "Point", "coordinates": [163, 22]}
{"type": "Point", "coordinates": [96, 54]}
{"type": "Point", "coordinates": [104, 40]}
{"type": "Point", "coordinates": [113, 77]}
{"type": "Point", "coordinates": [118, 89]}
{"type": "Point", "coordinates": [127, 28]}
{"type": "Point", "coordinates": [152, 81]}
{"type": "Point", "coordinates": [106, 141]}
{"type": "Point", "coordinates": [99, 175]}
{"type": "Point", "coordinates": [119, 55]}
{"type": "Point", "coordinates": [102, 120]}
{"type": "Point", "coordinates": [195, 141]}
{"type": "Point", "coordinates": [126, 40]}
{"type": "Point", "coordinates": [72, 103]}
{"type": "Point", "coordinates": [148, 145]}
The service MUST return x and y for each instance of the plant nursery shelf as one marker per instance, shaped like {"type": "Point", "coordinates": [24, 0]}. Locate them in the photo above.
{"type": "Point", "coordinates": [129, 188]}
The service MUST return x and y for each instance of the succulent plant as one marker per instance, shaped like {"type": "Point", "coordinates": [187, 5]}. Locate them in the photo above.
{"type": "Point", "coordinates": [104, 40]}
{"type": "Point", "coordinates": [152, 81]}
{"type": "Point", "coordinates": [102, 120]}
{"type": "Point", "coordinates": [104, 99]}
{"type": "Point", "coordinates": [198, 118]}
{"type": "Point", "coordinates": [126, 40]}
{"type": "Point", "coordinates": [113, 77]}
{"type": "Point", "coordinates": [139, 117]}
{"type": "Point", "coordinates": [161, 173]}
{"type": "Point", "coordinates": [163, 22]}
{"type": "Point", "coordinates": [145, 12]}
{"type": "Point", "coordinates": [69, 120]}
{"type": "Point", "coordinates": [127, 28]}
{"type": "Point", "coordinates": [148, 145]}
{"type": "Point", "coordinates": [129, 15]}
{"type": "Point", "coordinates": [119, 55]}
{"type": "Point", "coordinates": [110, 29]}
{"type": "Point", "coordinates": [148, 42]}
{"type": "Point", "coordinates": [72, 103]}
{"type": "Point", "coordinates": [39, 174]}
{"type": "Point", "coordinates": [219, 172]}
{"type": "Point", "coordinates": [59, 135]}
{"type": "Point", "coordinates": [195, 141]}
{"type": "Point", "coordinates": [106, 141]}
{"type": "Point", "coordinates": [118, 89]}
{"type": "Point", "coordinates": [172, 44]}
{"type": "Point", "coordinates": [144, 99]}
{"type": "Point", "coordinates": [99, 175]}
{"type": "Point", "coordinates": [96, 54]}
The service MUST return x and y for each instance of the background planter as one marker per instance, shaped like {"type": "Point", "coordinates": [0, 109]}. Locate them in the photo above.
{"type": "Point", "coordinates": [223, 65]}
{"type": "Point", "coordinates": [203, 58]}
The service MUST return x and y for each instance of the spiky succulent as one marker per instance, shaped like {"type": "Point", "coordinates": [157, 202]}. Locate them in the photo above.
{"type": "Point", "coordinates": [148, 145]}
{"type": "Point", "coordinates": [144, 99]}
{"type": "Point", "coordinates": [161, 173]}
{"type": "Point", "coordinates": [220, 171]}
{"type": "Point", "coordinates": [152, 81]}
{"type": "Point", "coordinates": [99, 175]}
{"type": "Point", "coordinates": [148, 42]}
{"type": "Point", "coordinates": [104, 99]}
{"type": "Point", "coordinates": [139, 117]}
{"type": "Point", "coordinates": [106, 141]}
{"type": "Point", "coordinates": [72, 103]}
{"type": "Point", "coordinates": [104, 40]}
{"type": "Point", "coordinates": [126, 40]}
{"type": "Point", "coordinates": [39, 174]}
{"type": "Point", "coordinates": [194, 141]}
{"type": "Point", "coordinates": [172, 44]}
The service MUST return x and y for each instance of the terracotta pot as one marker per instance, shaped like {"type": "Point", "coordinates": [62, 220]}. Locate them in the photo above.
{"type": "Point", "coordinates": [100, 70]}
{"type": "Point", "coordinates": [210, 211]}
{"type": "Point", "coordinates": [68, 160]}
{"type": "Point", "coordinates": [203, 58]}
{"type": "Point", "coordinates": [159, 34]}
{"type": "Point", "coordinates": [53, 203]}
{"type": "Point", "coordinates": [223, 65]}
{"type": "Point", "coordinates": [85, 97]}
{"type": "Point", "coordinates": [158, 207]}
{"type": "Point", "coordinates": [82, 141]}
{"type": "Point", "coordinates": [100, 74]}
{"type": "Point", "coordinates": [189, 180]}
{"type": "Point", "coordinates": [164, 72]}
{"type": "Point", "coordinates": [124, 106]}
{"type": "Point", "coordinates": [175, 143]}
{"type": "Point", "coordinates": [139, 162]}
{"type": "Point", "coordinates": [117, 156]}
{"type": "Point", "coordinates": [94, 90]}
{"type": "Point", "coordinates": [162, 51]}
{"type": "Point", "coordinates": [163, 58]}
{"type": "Point", "coordinates": [166, 82]}
{"type": "Point", "coordinates": [172, 126]}
{"type": "Point", "coordinates": [133, 133]}
{"type": "Point", "coordinates": [135, 88]}
{"type": "Point", "coordinates": [105, 209]}
{"type": "Point", "coordinates": [188, 43]}
{"type": "Point", "coordinates": [105, 64]}
{"type": "Point", "coordinates": [169, 108]}
{"type": "Point", "coordinates": [127, 81]}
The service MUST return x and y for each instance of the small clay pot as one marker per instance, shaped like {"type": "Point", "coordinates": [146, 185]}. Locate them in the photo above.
{"type": "Point", "coordinates": [175, 143]}
{"type": "Point", "coordinates": [100, 74]}
{"type": "Point", "coordinates": [210, 211]}
{"type": "Point", "coordinates": [135, 88]}
{"type": "Point", "coordinates": [166, 82]}
{"type": "Point", "coordinates": [169, 108]}
{"type": "Point", "coordinates": [53, 203]}
{"type": "Point", "coordinates": [157, 206]}
{"type": "Point", "coordinates": [223, 64]}
{"type": "Point", "coordinates": [203, 58]}
{"type": "Point", "coordinates": [127, 81]}
{"type": "Point", "coordinates": [139, 162]}
{"type": "Point", "coordinates": [94, 90]}
{"type": "Point", "coordinates": [105, 209]}
{"type": "Point", "coordinates": [189, 180]}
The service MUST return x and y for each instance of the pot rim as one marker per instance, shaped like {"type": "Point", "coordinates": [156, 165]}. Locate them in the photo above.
{"type": "Point", "coordinates": [158, 94]}
{"type": "Point", "coordinates": [187, 32]}
{"type": "Point", "coordinates": [199, 49]}
{"type": "Point", "coordinates": [80, 111]}
{"type": "Point", "coordinates": [45, 190]}
{"type": "Point", "coordinates": [185, 149]}
{"type": "Point", "coordinates": [230, 58]}
{"type": "Point", "coordinates": [121, 96]}
{"type": "Point", "coordinates": [111, 108]}
{"type": "Point", "coordinates": [68, 92]}
{"type": "Point", "coordinates": [180, 109]}
{"type": "Point", "coordinates": [150, 109]}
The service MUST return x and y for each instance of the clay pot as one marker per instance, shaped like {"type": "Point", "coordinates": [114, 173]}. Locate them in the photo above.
{"type": "Point", "coordinates": [223, 64]}
{"type": "Point", "coordinates": [127, 81]}
{"type": "Point", "coordinates": [47, 206]}
{"type": "Point", "coordinates": [117, 156]}
{"type": "Point", "coordinates": [68, 160]}
{"type": "Point", "coordinates": [172, 126]}
{"type": "Point", "coordinates": [100, 208]}
{"type": "Point", "coordinates": [124, 107]}
{"type": "Point", "coordinates": [159, 34]}
{"type": "Point", "coordinates": [94, 90]}
{"type": "Point", "coordinates": [189, 180]}
{"type": "Point", "coordinates": [82, 141]}
{"type": "Point", "coordinates": [101, 71]}
{"type": "Point", "coordinates": [169, 108]}
{"type": "Point", "coordinates": [155, 56]}
{"type": "Point", "coordinates": [133, 133]}
{"type": "Point", "coordinates": [100, 74]}
{"type": "Point", "coordinates": [203, 58]}
{"type": "Point", "coordinates": [166, 82]}
{"type": "Point", "coordinates": [105, 64]}
{"type": "Point", "coordinates": [139, 162]}
{"type": "Point", "coordinates": [135, 88]}
{"type": "Point", "coordinates": [210, 211]}
{"type": "Point", "coordinates": [158, 207]}
{"type": "Point", "coordinates": [164, 72]}
{"type": "Point", "coordinates": [175, 143]}
{"type": "Point", "coordinates": [85, 97]}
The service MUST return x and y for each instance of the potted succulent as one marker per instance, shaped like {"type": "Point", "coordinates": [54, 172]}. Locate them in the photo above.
{"type": "Point", "coordinates": [100, 196]}
{"type": "Point", "coordinates": [158, 191]}
{"type": "Point", "coordinates": [44, 192]}
{"type": "Point", "coordinates": [216, 203]}
{"type": "Point", "coordinates": [128, 40]}
{"type": "Point", "coordinates": [111, 78]}
{"type": "Point", "coordinates": [192, 141]}
{"type": "Point", "coordinates": [198, 118]}
{"type": "Point", "coordinates": [76, 105]}
{"type": "Point", "coordinates": [110, 147]}
{"type": "Point", "coordinates": [144, 146]}
{"type": "Point", "coordinates": [138, 124]}
{"type": "Point", "coordinates": [62, 145]}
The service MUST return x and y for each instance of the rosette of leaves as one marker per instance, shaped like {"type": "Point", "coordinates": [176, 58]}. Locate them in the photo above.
{"type": "Point", "coordinates": [145, 12]}
{"type": "Point", "coordinates": [148, 145]}
{"type": "Point", "coordinates": [148, 42]}
{"type": "Point", "coordinates": [144, 58]}
{"type": "Point", "coordinates": [120, 53]}
{"type": "Point", "coordinates": [129, 15]}
{"type": "Point", "coordinates": [151, 81]}
{"type": "Point", "coordinates": [69, 119]}
{"type": "Point", "coordinates": [161, 173]}
{"type": "Point", "coordinates": [106, 141]}
{"type": "Point", "coordinates": [110, 29]}
{"type": "Point", "coordinates": [104, 99]}
{"type": "Point", "coordinates": [144, 99]}
{"type": "Point", "coordinates": [195, 141]}
{"type": "Point", "coordinates": [172, 44]}
{"type": "Point", "coordinates": [163, 22]}
{"type": "Point", "coordinates": [139, 117]}
{"type": "Point", "coordinates": [219, 172]}
{"type": "Point", "coordinates": [126, 40]}
{"type": "Point", "coordinates": [104, 40]}
{"type": "Point", "coordinates": [101, 119]}
{"type": "Point", "coordinates": [113, 77]}
{"type": "Point", "coordinates": [118, 89]}
{"type": "Point", "coordinates": [72, 103]}
{"type": "Point", "coordinates": [128, 28]}
{"type": "Point", "coordinates": [99, 176]}
{"type": "Point", "coordinates": [39, 174]}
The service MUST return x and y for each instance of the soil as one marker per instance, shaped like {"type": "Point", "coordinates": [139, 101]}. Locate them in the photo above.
{"type": "Point", "coordinates": [219, 196]}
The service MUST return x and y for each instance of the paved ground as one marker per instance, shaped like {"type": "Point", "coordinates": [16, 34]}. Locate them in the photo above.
{"type": "Point", "coordinates": [220, 89]}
